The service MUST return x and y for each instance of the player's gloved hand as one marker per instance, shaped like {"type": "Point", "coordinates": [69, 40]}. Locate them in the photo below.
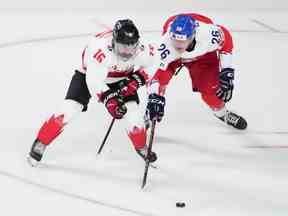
{"type": "Point", "coordinates": [116, 107]}
{"type": "Point", "coordinates": [155, 107]}
{"type": "Point", "coordinates": [135, 80]}
{"type": "Point", "coordinates": [225, 90]}
{"type": "Point", "coordinates": [114, 103]}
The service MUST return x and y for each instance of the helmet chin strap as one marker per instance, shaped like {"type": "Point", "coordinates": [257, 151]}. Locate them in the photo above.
{"type": "Point", "coordinates": [191, 46]}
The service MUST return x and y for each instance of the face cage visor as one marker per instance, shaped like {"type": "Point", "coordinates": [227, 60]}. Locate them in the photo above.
{"type": "Point", "coordinates": [125, 51]}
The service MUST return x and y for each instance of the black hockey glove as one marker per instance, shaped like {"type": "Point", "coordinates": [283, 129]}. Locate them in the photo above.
{"type": "Point", "coordinates": [155, 107]}
{"type": "Point", "coordinates": [225, 90]}
{"type": "Point", "coordinates": [139, 77]}
{"type": "Point", "coordinates": [114, 103]}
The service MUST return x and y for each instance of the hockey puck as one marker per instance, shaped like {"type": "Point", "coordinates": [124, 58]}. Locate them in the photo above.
{"type": "Point", "coordinates": [180, 204]}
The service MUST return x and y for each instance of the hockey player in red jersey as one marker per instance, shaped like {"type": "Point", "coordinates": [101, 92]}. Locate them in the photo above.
{"type": "Point", "coordinates": [205, 49]}
{"type": "Point", "coordinates": [114, 66]}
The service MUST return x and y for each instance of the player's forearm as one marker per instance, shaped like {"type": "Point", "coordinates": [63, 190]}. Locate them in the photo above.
{"type": "Point", "coordinates": [95, 82]}
{"type": "Point", "coordinates": [160, 81]}
{"type": "Point", "coordinates": [226, 60]}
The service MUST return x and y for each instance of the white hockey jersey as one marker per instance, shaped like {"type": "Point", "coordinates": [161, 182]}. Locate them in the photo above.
{"type": "Point", "coordinates": [102, 66]}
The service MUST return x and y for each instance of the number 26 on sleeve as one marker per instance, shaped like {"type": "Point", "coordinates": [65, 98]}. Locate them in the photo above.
{"type": "Point", "coordinates": [164, 51]}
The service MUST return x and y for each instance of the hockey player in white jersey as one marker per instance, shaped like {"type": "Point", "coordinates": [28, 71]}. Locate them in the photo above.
{"type": "Point", "coordinates": [114, 66]}
{"type": "Point", "coordinates": [205, 49]}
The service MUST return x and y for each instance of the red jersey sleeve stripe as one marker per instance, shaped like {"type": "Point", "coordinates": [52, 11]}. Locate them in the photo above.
{"type": "Point", "coordinates": [228, 41]}
{"type": "Point", "coordinates": [84, 63]}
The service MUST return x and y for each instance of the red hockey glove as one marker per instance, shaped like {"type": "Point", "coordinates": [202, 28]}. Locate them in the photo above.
{"type": "Point", "coordinates": [135, 80]}
{"type": "Point", "coordinates": [114, 103]}
{"type": "Point", "coordinates": [116, 107]}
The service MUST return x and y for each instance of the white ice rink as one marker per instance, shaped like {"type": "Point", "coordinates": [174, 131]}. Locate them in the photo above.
{"type": "Point", "coordinates": [214, 169]}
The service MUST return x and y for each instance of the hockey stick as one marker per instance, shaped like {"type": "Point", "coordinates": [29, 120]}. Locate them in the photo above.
{"type": "Point", "coordinates": [106, 136]}
{"type": "Point", "coordinates": [147, 162]}
{"type": "Point", "coordinates": [179, 69]}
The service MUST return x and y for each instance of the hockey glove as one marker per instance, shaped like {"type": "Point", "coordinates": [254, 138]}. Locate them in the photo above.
{"type": "Point", "coordinates": [155, 107]}
{"type": "Point", "coordinates": [116, 107]}
{"type": "Point", "coordinates": [114, 103]}
{"type": "Point", "coordinates": [135, 80]}
{"type": "Point", "coordinates": [225, 90]}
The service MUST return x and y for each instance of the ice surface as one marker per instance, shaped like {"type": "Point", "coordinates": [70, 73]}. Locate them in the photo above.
{"type": "Point", "coordinates": [214, 169]}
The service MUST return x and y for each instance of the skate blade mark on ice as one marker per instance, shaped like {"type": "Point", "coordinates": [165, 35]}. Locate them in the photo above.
{"type": "Point", "coordinates": [72, 195]}
{"type": "Point", "coordinates": [256, 132]}
{"type": "Point", "coordinates": [267, 146]}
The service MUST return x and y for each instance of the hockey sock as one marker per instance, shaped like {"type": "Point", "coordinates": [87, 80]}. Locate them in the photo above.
{"type": "Point", "coordinates": [138, 137]}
